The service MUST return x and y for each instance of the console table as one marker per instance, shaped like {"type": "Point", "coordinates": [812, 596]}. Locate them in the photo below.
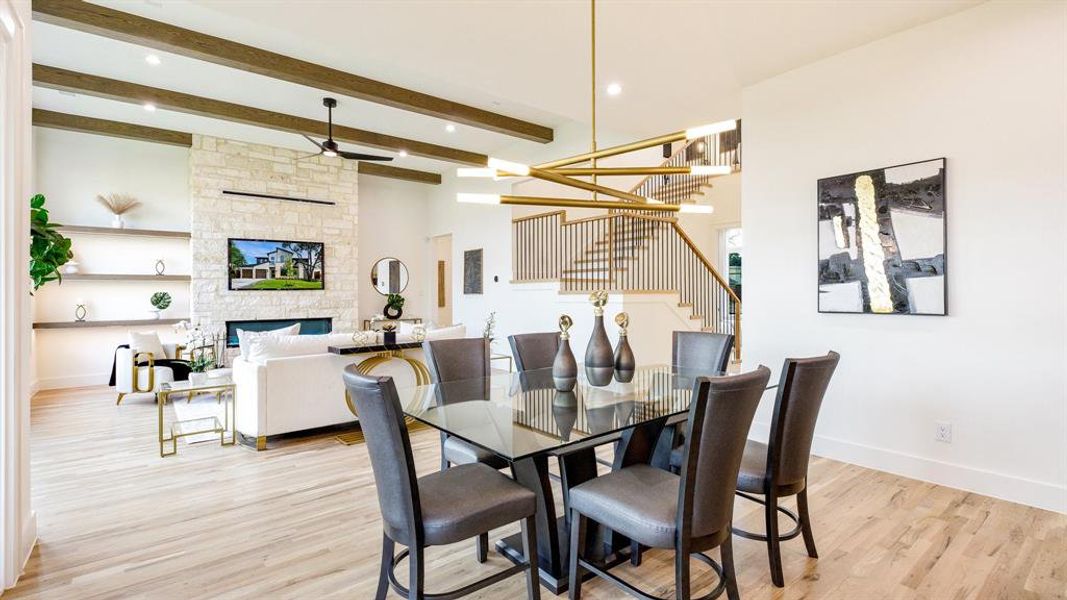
{"type": "Point", "coordinates": [382, 353]}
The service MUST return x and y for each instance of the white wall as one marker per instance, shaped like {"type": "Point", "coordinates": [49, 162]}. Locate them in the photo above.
{"type": "Point", "coordinates": [70, 169]}
{"type": "Point", "coordinates": [392, 223]}
{"type": "Point", "coordinates": [984, 88]}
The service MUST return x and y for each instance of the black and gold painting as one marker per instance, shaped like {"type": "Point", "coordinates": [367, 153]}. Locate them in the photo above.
{"type": "Point", "coordinates": [881, 237]}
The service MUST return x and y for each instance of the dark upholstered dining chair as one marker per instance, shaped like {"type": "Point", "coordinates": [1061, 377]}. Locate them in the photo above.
{"type": "Point", "coordinates": [437, 509]}
{"type": "Point", "coordinates": [534, 350]}
{"type": "Point", "coordinates": [457, 360]}
{"type": "Point", "coordinates": [696, 350]}
{"type": "Point", "coordinates": [691, 512]}
{"type": "Point", "coordinates": [780, 468]}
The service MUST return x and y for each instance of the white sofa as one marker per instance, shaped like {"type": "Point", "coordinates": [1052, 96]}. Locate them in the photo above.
{"type": "Point", "coordinates": [293, 383]}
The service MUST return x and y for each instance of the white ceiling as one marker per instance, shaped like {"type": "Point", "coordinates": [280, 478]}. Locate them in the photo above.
{"type": "Point", "coordinates": [681, 63]}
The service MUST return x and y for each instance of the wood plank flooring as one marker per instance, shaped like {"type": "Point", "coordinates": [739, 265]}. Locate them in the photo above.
{"type": "Point", "coordinates": [301, 521]}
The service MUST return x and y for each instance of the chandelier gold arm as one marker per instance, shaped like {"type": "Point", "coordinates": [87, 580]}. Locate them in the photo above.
{"type": "Point", "coordinates": [614, 150]}
{"type": "Point", "coordinates": [617, 171]}
{"type": "Point", "coordinates": [577, 203]}
{"type": "Point", "coordinates": [584, 185]}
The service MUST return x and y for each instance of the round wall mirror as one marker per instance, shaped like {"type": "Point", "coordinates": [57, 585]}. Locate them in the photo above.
{"type": "Point", "coordinates": [389, 276]}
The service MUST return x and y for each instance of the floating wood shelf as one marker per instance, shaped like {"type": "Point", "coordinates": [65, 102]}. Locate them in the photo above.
{"type": "Point", "coordinates": [123, 277]}
{"type": "Point", "coordinates": [122, 323]}
{"type": "Point", "coordinates": [124, 232]}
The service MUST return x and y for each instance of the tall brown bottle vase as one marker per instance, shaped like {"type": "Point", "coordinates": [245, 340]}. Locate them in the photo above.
{"type": "Point", "coordinates": [625, 364]}
{"type": "Point", "coordinates": [599, 358]}
{"type": "Point", "coordinates": [564, 367]}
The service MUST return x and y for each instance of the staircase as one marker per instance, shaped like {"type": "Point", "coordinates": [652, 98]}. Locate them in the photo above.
{"type": "Point", "coordinates": [637, 251]}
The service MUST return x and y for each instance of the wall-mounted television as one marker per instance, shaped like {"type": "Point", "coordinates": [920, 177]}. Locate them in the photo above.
{"type": "Point", "coordinates": [276, 265]}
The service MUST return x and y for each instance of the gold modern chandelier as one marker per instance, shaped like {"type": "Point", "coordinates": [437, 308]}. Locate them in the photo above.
{"type": "Point", "coordinates": [563, 172]}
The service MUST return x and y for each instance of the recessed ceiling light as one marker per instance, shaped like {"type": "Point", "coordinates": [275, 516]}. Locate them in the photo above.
{"type": "Point", "coordinates": [152, 59]}
{"type": "Point", "coordinates": [450, 128]}
{"type": "Point", "coordinates": [402, 154]}
{"type": "Point", "coordinates": [614, 89]}
{"type": "Point", "coordinates": [149, 107]}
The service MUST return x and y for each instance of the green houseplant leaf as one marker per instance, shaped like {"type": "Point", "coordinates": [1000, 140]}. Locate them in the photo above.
{"type": "Point", "coordinates": [49, 250]}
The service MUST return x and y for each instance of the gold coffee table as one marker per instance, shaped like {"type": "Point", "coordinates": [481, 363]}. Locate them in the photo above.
{"type": "Point", "coordinates": [224, 389]}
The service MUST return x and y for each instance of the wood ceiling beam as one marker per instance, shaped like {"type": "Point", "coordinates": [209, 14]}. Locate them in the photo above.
{"type": "Point", "coordinates": [380, 170]}
{"type": "Point", "coordinates": [129, 131]}
{"type": "Point", "coordinates": [113, 89]}
{"type": "Point", "coordinates": [127, 27]}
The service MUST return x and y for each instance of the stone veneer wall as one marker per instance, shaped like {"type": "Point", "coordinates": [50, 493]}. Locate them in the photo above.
{"type": "Point", "coordinates": [218, 164]}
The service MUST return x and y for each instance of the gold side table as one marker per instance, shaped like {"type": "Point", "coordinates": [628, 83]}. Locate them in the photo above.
{"type": "Point", "coordinates": [223, 387]}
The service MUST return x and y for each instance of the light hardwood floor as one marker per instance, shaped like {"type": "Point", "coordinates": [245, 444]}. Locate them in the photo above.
{"type": "Point", "coordinates": [301, 521]}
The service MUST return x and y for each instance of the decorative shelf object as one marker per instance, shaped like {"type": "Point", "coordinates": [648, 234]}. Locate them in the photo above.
{"type": "Point", "coordinates": [120, 323]}
{"type": "Point", "coordinates": [124, 231]}
{"type": "Point", "coordinates": [124, 277]}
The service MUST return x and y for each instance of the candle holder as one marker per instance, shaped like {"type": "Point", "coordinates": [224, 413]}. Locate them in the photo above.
{"type": "Point", "coordinates": [80, 312]}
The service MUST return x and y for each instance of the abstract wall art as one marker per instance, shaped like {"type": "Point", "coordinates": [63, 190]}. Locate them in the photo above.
{"type": "Point", "coordinates": [472, 271]}
{"type": "Point", "coordinates": [881, 237]}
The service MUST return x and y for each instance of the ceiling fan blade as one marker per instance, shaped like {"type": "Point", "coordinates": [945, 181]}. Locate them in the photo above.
{"type": "Point", "coordinates": [308, 138]}
{"type": "Point", "coordinates": [358, 156]}
{"type": "Point", "coordinates": [307, 156]}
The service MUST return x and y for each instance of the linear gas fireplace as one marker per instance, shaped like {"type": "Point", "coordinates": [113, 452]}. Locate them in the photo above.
{"type": "Point", "coordinates": [313, 326]}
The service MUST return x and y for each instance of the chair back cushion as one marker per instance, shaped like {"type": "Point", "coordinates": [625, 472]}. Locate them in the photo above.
{"type": "Point", "coordinates": [451, 360]}
{"type": "Point", "coordinates": [800, 392]}
{"type": "Point", "coordinates": [702, 350]}
{"type": "Point", "coordinates": [382, 421]}
{"type": "Point", "coordinates": [147, 341]}
{"type": "Point", "coordinates": [534, 350]}
{"type": "Point", "coordinates": [720, 415]}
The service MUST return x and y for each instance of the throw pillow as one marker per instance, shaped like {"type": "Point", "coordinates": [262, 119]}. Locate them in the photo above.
{"type": "Point", "coordinates": [244, 338]}
{"type": "Point", "coordinates": [147, 341]}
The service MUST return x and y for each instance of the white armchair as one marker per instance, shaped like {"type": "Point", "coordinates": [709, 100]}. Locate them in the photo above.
{"type": "Point", "coordinates": [146, 379]}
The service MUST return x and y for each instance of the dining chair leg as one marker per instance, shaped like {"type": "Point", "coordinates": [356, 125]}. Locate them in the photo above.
{"type": "Point", "coordinates": [774, 550]}
{"type": "Point", "coordinates": [482, 547]}
{"type": "Point", "coordinates": [726, 552]}
{"type": "Point", "coordinates": [529, 549]}
{"type": "Point", "coordinates": [681, 572]}
{"type": "Point", "coordinates": [416, 574]}
{"type": "Point", "coordinates": [635, 553]}
{"type": "Point", "coordinates": [387, 563]}
{"type": "Point", "coordinates": [578, 524]}
{"type": "Point", "coordinates": [805, 523]}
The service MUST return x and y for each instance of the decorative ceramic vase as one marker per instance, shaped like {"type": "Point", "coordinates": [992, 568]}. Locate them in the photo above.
{"type": "Point", "coordinates": [156, 314]}
{"type": "Point", "coordinates": [198, 378]}
{"type": "Point", "coordinates": [118, 222]}
{"type": "Point", "coordinates": [564, 367]}
{"type": "Point", "coordinates": [599, 358]}
{"type": "Point", "coordinates": [71, 267]}
{"type": "Point", "coordinates": [625, 364]}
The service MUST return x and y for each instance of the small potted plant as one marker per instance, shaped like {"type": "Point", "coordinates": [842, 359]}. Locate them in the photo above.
{"type": "Point", "coordinates": [394, 306]}
{"type": "Point", "coordinates": [119, 205]}
{"type": "Point", "coordinates": [198, 367]}
{"type": "Point", "coordinates": [161, 301]}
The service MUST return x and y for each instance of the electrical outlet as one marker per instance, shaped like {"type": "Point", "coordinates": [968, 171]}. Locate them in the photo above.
{"type": "Point", "coordinates": [943, 432]}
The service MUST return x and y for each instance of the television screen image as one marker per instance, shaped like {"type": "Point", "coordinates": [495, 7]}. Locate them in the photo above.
{"type": "Point", "coordinates": [276, 265]}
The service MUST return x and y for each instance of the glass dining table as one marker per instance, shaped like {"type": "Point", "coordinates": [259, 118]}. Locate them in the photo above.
{"type": "Point", "coordinates": [521, 418]}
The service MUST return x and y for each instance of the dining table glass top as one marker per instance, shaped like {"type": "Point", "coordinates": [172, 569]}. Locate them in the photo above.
{"type": "Point", "coordinates": [516, 415]}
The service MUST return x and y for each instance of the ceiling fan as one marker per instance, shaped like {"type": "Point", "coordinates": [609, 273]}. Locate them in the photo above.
{"type": "Point", "coordinates": [329, 147]}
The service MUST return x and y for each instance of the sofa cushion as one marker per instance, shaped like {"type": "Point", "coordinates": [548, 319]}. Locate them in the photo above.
{"type": "Point", "coordinates": [447, 333]}
{"type": "Point", "coordinates": [280, 346]}
{"type": "Point", "coordinates": [244, 337]}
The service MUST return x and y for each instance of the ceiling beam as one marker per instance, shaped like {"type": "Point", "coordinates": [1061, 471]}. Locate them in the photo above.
{"type": "Point", "coordinates": [129, 131]}
{"type": "Point", "coordinates": [113, 89]}
{"type": "Point", "coordinates": [380, 170]}
{"type": "Point", "coordinates": [127, 27]}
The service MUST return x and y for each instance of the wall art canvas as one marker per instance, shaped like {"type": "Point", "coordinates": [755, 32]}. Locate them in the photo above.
{"type": "Point", "coordinates": [882, 241]}
{"type": "Point", "coordinates": [276, 265]}
{"type": "Point", "coordinates": [472, 271]}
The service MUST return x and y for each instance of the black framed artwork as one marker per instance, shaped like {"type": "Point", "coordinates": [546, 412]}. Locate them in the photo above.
{"type": "Point", "coordinates": [472, 271]}
{"type": "Point", "coordinates": [882, 241]}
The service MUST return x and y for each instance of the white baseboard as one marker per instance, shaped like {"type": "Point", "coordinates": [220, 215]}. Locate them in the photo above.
{"type": "Point", "coordinates": [72, 381]}
{"type": "Point", "coordinates": [1040, 494]}
{"type": "Point", "coordinates": [29, 540]}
